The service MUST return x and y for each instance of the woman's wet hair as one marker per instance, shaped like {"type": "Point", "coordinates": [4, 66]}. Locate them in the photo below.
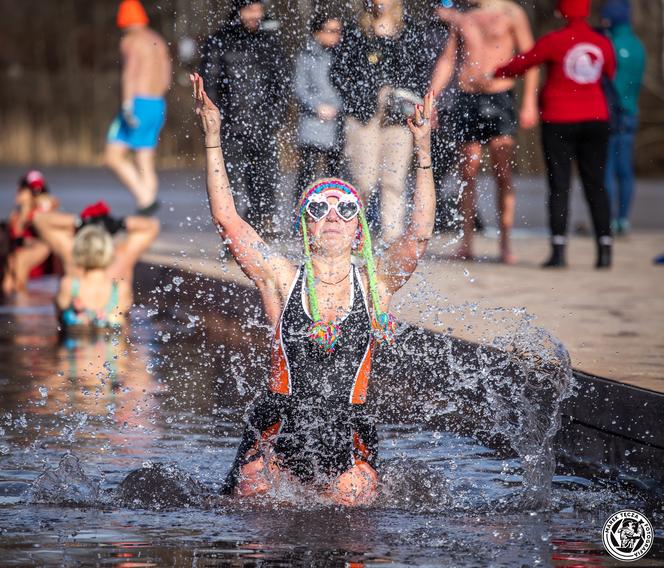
{"type": "Point", "coordinates": [93, 247]}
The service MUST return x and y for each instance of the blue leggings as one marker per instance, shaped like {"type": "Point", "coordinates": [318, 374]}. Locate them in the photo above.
{"type": "Point", "coordinates": [620, 167]}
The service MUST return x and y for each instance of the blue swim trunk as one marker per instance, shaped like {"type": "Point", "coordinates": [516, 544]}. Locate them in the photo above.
{"type": "Point", "coordinates": [150, 113]}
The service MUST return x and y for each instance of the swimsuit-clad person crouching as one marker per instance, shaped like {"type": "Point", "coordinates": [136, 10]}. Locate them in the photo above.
{"type": "Point", "coordinates": [328, 314]}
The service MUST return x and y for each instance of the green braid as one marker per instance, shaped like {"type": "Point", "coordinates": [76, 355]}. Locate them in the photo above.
{"type": "Point", "coordinates": [367, 253]}
{"type": "Point", "coordinates": [368, 257]}
{"type": "Point", "coordinates": [309, 267]}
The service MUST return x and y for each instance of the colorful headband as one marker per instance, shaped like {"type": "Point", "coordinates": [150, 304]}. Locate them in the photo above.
{"type": "Point", "coordinates": [320, 186]}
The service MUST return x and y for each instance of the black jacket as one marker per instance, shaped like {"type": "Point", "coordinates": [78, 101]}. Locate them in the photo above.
{"type": "Point", "coordinates": [363, 64]}
{"type": "Point", "coordinates": [247, 76]}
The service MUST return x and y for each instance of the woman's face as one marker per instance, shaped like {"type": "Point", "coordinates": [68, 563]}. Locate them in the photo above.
{"type": "Point", "coordinates": [23, 197]}
{"type": "Point", "coordinates": [332, 234]}
{"type": "Point", "coordinates": [330, 34]}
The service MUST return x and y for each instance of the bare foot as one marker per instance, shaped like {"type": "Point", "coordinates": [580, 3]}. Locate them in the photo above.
{"type": "Point", "coordinates": [508, 257]}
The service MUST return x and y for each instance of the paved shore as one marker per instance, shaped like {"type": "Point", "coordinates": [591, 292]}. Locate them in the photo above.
{"type": "Point", "coordinates": [612, 322]}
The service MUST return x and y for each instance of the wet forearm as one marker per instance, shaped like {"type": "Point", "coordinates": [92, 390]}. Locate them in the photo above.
{"type": "Point", "coordinates": [424, 198]}
{"type": "Point", "coordinates": [54, 221]}
{"type": "Point", "coordinates": [222, 206]}
{"type": "Point", "coordinates": [138, 223]}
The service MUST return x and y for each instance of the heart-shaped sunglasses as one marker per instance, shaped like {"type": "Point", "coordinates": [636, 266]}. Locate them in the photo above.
{"type": "Point", "coordinates": [347, 207]}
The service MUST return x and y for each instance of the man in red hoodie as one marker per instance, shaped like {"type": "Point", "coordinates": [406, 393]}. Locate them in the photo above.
{"type": "Point", "coordinates": [575, 118]}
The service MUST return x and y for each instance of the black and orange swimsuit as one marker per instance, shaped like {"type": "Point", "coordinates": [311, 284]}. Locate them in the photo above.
{"type": "Point", "coordinates": [313, 415]}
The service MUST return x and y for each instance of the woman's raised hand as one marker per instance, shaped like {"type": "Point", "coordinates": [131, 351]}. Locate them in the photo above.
{"type": "Point", "coordinates": [206, 109]}
{"type": "Point", "coordinates": [420, 123]}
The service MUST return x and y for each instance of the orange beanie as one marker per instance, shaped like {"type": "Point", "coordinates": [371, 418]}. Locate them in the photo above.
{"type": "Point", "coordinates": [131, 13]}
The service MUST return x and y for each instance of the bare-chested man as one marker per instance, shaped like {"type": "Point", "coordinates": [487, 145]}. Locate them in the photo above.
{"type": "Point", "coordinates": [490, 32]}
{"type": "Point", "coordinates": [146, 77]}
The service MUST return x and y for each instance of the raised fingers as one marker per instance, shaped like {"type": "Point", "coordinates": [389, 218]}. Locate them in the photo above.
{"type": "Point", "coordinates": [417, 118]}
{"type": "Point", "coordinates": [193, 77]}
{"type": "Point", "coordinates": [428, 104]}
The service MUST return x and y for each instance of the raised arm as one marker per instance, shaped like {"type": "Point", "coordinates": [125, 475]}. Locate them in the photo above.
{"type": "Point", "coordinates": [521, 63]}
{"type": "Point", "coordinates": [57, 230]}
{"type": "Point", "coordinates": [400, 260]}
{"type": "Point", "coordinates": [261, 265]}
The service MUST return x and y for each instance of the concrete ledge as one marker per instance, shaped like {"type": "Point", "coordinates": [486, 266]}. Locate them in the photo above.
{"type": "Point", "coordinates": [609, 430]}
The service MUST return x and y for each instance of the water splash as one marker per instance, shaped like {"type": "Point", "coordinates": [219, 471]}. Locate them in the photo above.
{"type": "Point", "coordinates": [67, 484]}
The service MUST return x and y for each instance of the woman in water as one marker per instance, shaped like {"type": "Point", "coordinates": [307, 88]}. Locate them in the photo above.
{"type": "Point", "coordinates": [310, 425]}
{"type": "Point", "coordinates": [96, 289]}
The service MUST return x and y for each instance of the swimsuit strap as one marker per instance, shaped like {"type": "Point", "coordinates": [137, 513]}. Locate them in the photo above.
{"type": "Point", "coordinates": [358, 277]}
{"type": "Point", "coordinates": [114, 299]}
{"type": "Point", "coordinates": [75, 288]}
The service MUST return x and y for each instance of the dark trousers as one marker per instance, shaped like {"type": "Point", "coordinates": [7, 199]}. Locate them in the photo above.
{"type": "Point", "coordinates": [587, 143]}
{"type": "Point", "coordinates": [253, 170]}
{"type": "Point", "coordinates": [316, 163]}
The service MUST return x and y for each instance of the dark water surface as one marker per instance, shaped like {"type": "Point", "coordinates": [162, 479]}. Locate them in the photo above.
{"type": "Point", "coordinates": [174, 391]}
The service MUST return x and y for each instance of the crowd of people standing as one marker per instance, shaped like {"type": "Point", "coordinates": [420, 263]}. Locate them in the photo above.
{"type": "Point", "coordinates": [356, 81]}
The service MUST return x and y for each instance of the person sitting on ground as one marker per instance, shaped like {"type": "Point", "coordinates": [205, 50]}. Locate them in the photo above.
{"type": "Point", "coordinates": [146, 78]}
{"type": "Point", "coordinates": [28, 255]}
{"type": "Point", "coordinates": [97, 287]}
{"type": "Point", "coordinates": [311, 425]}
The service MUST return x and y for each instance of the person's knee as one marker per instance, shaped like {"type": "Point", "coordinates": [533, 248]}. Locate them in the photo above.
{"type": "Point", "coordinates": [253, 478]}
{"type": "Point", "coordinates": [471, 160]}
{"type": "Point", "coordinates": [357, 486]}
{"type": "Point", "coordinates": [114, 155]}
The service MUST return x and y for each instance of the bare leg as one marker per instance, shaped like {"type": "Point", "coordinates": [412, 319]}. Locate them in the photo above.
{"type": "Point", "coordinates": [357, 486]}
{"type": "Point", "coordinates": [145, 160]}
{"type": "Point", "coordinates": [25, 259]}
{"type": "Point", "coordinates": [471, 155]}
{"type": "Point", "coordinates": [8, 284]}
{"type": "Point", "coordinates": [118, 159]}
{"type": "Point", "coordinates": [501, 150]}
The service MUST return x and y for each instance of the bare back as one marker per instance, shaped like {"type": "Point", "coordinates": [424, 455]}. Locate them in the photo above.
{"type": "Point", "coordinates": [146, 63]}
{"type": "Point", "coordinates": [94, 291]}
{"type": "Point", "coordinates": [490, 40]}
